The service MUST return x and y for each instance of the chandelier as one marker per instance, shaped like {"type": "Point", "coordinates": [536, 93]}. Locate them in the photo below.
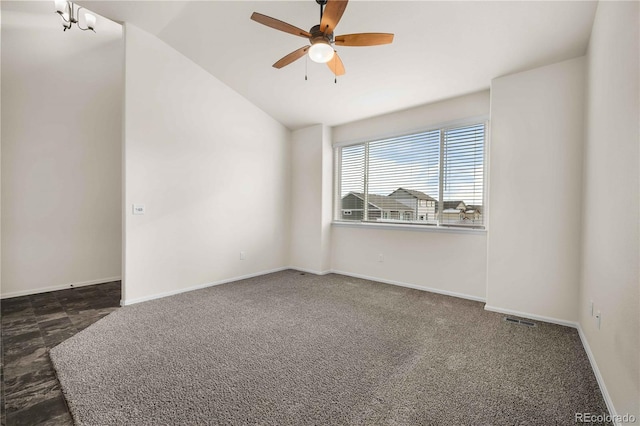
{"type": "Point", "coordinates": [70, 14]}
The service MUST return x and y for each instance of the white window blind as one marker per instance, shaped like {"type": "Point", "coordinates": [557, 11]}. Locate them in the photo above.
{"type": "Point", "coordinates": [427, 178]}
{"type": "Point", "coordinates": [352, 174]}
{"type": "Point", "coordinates": [463, 175]}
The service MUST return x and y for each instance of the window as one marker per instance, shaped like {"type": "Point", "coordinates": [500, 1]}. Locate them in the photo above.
{"type": "Point", "coordinates": [429, 178]}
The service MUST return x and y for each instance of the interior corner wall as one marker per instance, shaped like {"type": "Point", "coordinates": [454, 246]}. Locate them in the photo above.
{"type": "Point", "coordinates": [535, 198]}
{"type": "Point", "coordinates": [311, 199]}
{"type": "Point", "coordinates": [61, 148]}
{"type": "Point", "coordinates": [327, 196]}
{"type": "Point", "coordinates": [611, 253]}
{"type": "Point", "coordinates": [211, 169]}
{"type": "Point", "coordinates": [446, 262]}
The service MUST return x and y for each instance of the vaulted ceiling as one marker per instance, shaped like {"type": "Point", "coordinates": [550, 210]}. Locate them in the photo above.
{"type": "Point", "coordinates": [441, 49]}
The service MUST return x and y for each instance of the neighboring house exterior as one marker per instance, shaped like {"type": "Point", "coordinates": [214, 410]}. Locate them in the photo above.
{"type": "Point", "coordinates": [455, 205]}
{"type": "Point", "coordinates": [458, 211]}
{"type": "Point", "coordinates": [453, 212]}
{"type": "Point", "coordinates": [473, 213]}
{"type": "Point", "coordinates": [424, 206]}
{"type": "Point", "coordinates": [380, 207]}
{"type": "Point", "coordinates": [408, 205]}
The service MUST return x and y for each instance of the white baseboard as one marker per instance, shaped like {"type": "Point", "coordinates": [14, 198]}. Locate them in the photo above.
{"type": "Point", "coordinates": [309, 271]}
{"type": "Point", "coordinates": [58, 287]}
{"type": "Point", "coordinates": [197, 287]}
{"type": "Point", "coordinates": [531, 316]}
{"type": "Point", "coordinates": [417, 287]}
{"type": "Point", "coordinates": [596, 371]}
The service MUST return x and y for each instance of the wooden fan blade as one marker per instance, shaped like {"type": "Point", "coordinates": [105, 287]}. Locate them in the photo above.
{"type": "Point", "coordinates": [335, 65]}
{"type": "Point", "coordinates": [332, 13]}
{"type": "Point", "coordinates": [291, 57]}
{"type": "Point", "coordinates": [364, 39]}
{"type": "Point", "coordinates": [279, 25]}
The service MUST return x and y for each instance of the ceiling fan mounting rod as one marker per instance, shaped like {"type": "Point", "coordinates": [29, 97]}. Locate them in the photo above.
{"type": "Point", "coordinates": [321, 3]}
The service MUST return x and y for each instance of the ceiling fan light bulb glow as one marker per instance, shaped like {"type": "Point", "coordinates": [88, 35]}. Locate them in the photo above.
{"type": "Point", "coordinates": [321, 52]}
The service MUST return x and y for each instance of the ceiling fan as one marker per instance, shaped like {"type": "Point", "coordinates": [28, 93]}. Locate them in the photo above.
{"type": "Point", "coordinates": [321, 36]}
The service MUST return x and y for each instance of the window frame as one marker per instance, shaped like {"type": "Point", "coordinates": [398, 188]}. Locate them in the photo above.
{"type": "Point", "coordinates": [456, 228]}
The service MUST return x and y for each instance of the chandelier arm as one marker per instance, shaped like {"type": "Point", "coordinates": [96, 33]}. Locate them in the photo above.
{"type": "Point", "coordinates": [62, 16]}
{"type": "Point", "coordinates": [68, 5]}
{"type": "Point", "coordinates": [77, 20]}
{"type": "Point", "coordinates": [72, 13]}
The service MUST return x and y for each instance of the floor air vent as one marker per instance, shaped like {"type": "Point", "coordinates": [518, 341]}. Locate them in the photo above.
{"type": "Point", "coordinates": [519, 321]}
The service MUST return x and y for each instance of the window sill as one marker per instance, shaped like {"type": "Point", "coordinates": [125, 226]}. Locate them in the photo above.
{"type": "Point", "coordinates": [402, 227]}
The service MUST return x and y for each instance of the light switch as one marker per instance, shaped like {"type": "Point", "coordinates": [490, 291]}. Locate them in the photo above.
{"type": "Point", "coordinates": [139, 209]}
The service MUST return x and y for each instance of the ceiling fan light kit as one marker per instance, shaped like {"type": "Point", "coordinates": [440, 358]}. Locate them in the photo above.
{"type": "Point", "coordinates": [321, 52]}
{"type": "Point", "coordinates": [321, 48]}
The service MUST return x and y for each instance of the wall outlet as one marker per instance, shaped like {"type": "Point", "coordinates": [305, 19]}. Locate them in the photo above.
{"type": "Point", "coordinates": [591, 308]}
{"type": "Point", "coordinates": [242, 255]}
{"type": "Point", "coordinates": [598, 319]}
{"type": "Point", "coordinates": [380, 258]}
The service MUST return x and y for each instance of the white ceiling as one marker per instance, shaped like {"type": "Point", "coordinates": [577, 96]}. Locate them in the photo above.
{"type": "Point", "coordinates": [441, 49]}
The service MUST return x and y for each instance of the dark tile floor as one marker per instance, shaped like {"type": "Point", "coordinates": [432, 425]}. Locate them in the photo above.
{"type": "Point", "coordinates": [31, 325]}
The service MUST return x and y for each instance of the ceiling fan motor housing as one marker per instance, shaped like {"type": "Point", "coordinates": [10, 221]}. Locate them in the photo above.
{"type": "Point", "coordinates": [317, 35]}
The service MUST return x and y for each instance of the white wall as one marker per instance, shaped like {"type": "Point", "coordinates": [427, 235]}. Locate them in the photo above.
{"type": "Point", "coordinates": [414, 119]}
{"type": "Point", "coordinates": [311, 198]}
{"type": "Point", "coordinates": [426, 259]}
{"type": "Point", "coordinates": [61, 147]}
{"type": "Point", "coordinates": [535, 196]}
{"type": "Point", "coordinates": [212, 170]}
{"type": "Point", "coordinates": [610, 207]}
{"type": "Point", "coordinates": [430, 260]}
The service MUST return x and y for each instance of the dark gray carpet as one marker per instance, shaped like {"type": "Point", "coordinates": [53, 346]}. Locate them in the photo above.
{"type": "Point", "coordinates": [294, 349]}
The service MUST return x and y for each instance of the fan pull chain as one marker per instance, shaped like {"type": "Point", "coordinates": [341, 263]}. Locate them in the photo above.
{"type": "Point", "coordinates": [335, 64]}
{"type": "Point", "coordinates": [306, 61]}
